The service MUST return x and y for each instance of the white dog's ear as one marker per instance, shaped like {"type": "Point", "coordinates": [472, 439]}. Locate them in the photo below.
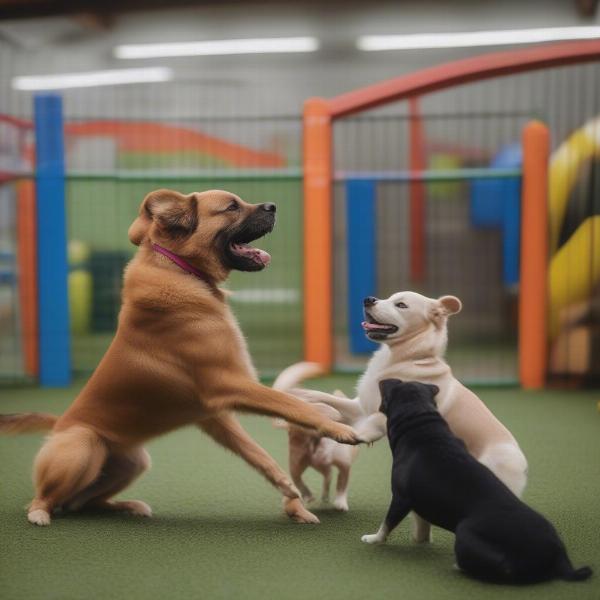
{"type": "Point", "coordinates": [443, 307]}
{"type": "Point", "coordinates": [450, 304]}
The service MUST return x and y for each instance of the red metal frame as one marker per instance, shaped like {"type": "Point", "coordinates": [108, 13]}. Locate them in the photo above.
{"type": "Point", "coordinates": [463, 71]}
{"type": "Point", "coordinates": [417, 193]}
{"type": "Point", "coordinates": [318, 332]}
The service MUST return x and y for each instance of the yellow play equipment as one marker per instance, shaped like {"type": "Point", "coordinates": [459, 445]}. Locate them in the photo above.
{"type": "Point", "coordinates": [80, 287]}
{"type": "Point", "coordinates": [574, 269]}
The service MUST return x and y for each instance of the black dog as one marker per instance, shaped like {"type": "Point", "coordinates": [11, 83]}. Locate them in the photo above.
{"type": "Point", "coordinates": [498, 537]}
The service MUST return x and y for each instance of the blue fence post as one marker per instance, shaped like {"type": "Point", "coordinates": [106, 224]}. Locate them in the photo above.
{"type": "Point", "coordinates": [362, 257]}
{"type": "Point", "coordinates": [53, 300]}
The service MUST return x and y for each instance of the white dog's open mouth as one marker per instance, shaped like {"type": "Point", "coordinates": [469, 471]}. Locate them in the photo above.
{"type": "Point", "coordinates": [376, 330]}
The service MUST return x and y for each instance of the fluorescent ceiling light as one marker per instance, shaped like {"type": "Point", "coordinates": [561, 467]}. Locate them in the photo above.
{"type": "Point", "coordinates": [92, 78]}
{"type": "Point", "coordinates": [475, 38]}
{"type": "Point", "coordinates": [218, 47]}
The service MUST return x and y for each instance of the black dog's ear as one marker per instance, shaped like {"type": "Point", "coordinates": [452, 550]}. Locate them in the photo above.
{"type": "Point", "coordinates": [387, 385]}
{"type": "Point", "coordinates": [435, 390]}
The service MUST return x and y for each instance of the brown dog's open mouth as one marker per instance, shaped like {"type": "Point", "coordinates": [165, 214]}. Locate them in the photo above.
{"type": "Point", "coordinates": [238, 253]}
{"type": "Point", "coordinates": [376, 330]}
{"type": "Point", "coordinates": [258, 256]}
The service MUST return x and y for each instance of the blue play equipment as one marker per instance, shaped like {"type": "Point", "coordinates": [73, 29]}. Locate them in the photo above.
{"type": "Point", "coordinates": [53, 269]}
{"type": "Point", "coordinates": [496, 203]}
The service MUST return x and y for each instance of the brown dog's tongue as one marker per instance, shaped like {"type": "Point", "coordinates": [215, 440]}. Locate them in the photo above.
{"type": "Point", "coordinates": [256, 254]}
{"type": "Point", "coordinates": [262, 256]}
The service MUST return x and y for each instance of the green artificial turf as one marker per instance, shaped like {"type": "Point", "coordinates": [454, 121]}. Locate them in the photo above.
{"type": "Point", "coordinates": [218, 530]}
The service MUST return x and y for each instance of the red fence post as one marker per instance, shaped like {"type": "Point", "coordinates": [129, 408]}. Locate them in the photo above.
{"type": "Point", "coordinates": [417, 193]}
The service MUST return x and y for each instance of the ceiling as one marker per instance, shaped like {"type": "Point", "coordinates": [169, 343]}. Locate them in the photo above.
{"type": "Point", "coordinates": [101, 12]}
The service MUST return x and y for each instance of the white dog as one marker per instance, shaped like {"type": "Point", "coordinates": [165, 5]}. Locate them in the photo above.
{"type": "Point", "coordinates": [412, 330]}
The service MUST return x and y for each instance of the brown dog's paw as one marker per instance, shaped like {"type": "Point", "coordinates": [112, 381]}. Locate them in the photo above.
{"type": "Point", "coordinates": [136, 508]}
{"type": "Point", "coordinates": [39, 517]}
{"type": "Point", "coordinates": [295, 510]}
{"type": "Point", "coordinates": [343, 434]}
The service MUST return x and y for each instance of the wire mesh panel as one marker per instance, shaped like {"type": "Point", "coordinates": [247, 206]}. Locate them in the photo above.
{"type": "Point", "coordinates": [11, 348]}
{"type": "Point", "coordinates": [463, 256]}
{"type": "Point", "coordinates": [470, 217]}
{"type": "Point", "coordinates": [16, 332]}
{"type": "Point", "coordinates": [112, 165]}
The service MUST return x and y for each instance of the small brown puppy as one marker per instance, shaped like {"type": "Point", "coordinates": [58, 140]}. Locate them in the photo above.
{"type": "Point", "coordinates": [178, 358]}
{"type": "Point", "coordinates": [306, 449]}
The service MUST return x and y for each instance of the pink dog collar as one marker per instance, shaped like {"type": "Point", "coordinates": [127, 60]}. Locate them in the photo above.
{"type": "Point", "coordinates": [185, 265]}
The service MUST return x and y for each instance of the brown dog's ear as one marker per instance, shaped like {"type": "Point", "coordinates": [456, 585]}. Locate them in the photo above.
{"type": "Point", "coordinates": [174, 213]}
{"type": "Point", "coordinates": [139, 228]}
{"type": "Point", "coordinates": [443, 307]}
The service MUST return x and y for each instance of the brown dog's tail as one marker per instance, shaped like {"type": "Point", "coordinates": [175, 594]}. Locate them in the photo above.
{"type": "Point", "coordinates": [26, 422]}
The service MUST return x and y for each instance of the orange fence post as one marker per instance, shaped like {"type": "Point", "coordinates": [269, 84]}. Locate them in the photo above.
{"type": "Point", "coordinates": [27, 262]}
{"type": "Point", "coordinates": [533, 297]}
{"type": "Point", "coordinates": [318, 271]}
{"type": "Point", "coordinates": [417, 193]}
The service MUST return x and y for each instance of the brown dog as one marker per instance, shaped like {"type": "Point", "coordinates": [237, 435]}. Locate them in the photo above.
{"type": "Point", "coordinates": [178, 358]}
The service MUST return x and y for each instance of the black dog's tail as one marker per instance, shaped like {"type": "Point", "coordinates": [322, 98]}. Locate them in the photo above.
{"type": "Point", "coordinates": [577, 574]}
{"type": "Point", "coordinates": [567, 572]}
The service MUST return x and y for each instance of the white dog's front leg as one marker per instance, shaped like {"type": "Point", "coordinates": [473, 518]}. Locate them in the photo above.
{"type": "Point", "coordinates": [421, 530]}
{"type": "Point", "coordinates": [349, 408]}
{"type": "Point", "coordinates": [371, 428]}
{"type": "Point", "coordinates": [377, 538]}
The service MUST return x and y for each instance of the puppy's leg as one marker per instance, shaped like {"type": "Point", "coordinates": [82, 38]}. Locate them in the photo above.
{"type": "Point", "coordinates": [326, 485]}
{"type": "Point", "coordinates": [118, 472]}
{"type": "Point", "coordinates": [341, 488]}
{"type": "Point", "coordinates": [343, 458]}
{"type": "Point", "coordinates": [66, 464]}
{"type": "Point", "coordinates": [227, 431]}
{"type": "Point", "coordinates": [509, 464]}
{"type": "Point", "coordinates": [421, 530]}
{"type": "Point", "coordinates": [399, 508]}
{"type": "Point", "coordinates": [264, 400]}
{"type": "Point", "coordinates": [325, 470]}
{"type": "Point", "coordinates": [298, 465]}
